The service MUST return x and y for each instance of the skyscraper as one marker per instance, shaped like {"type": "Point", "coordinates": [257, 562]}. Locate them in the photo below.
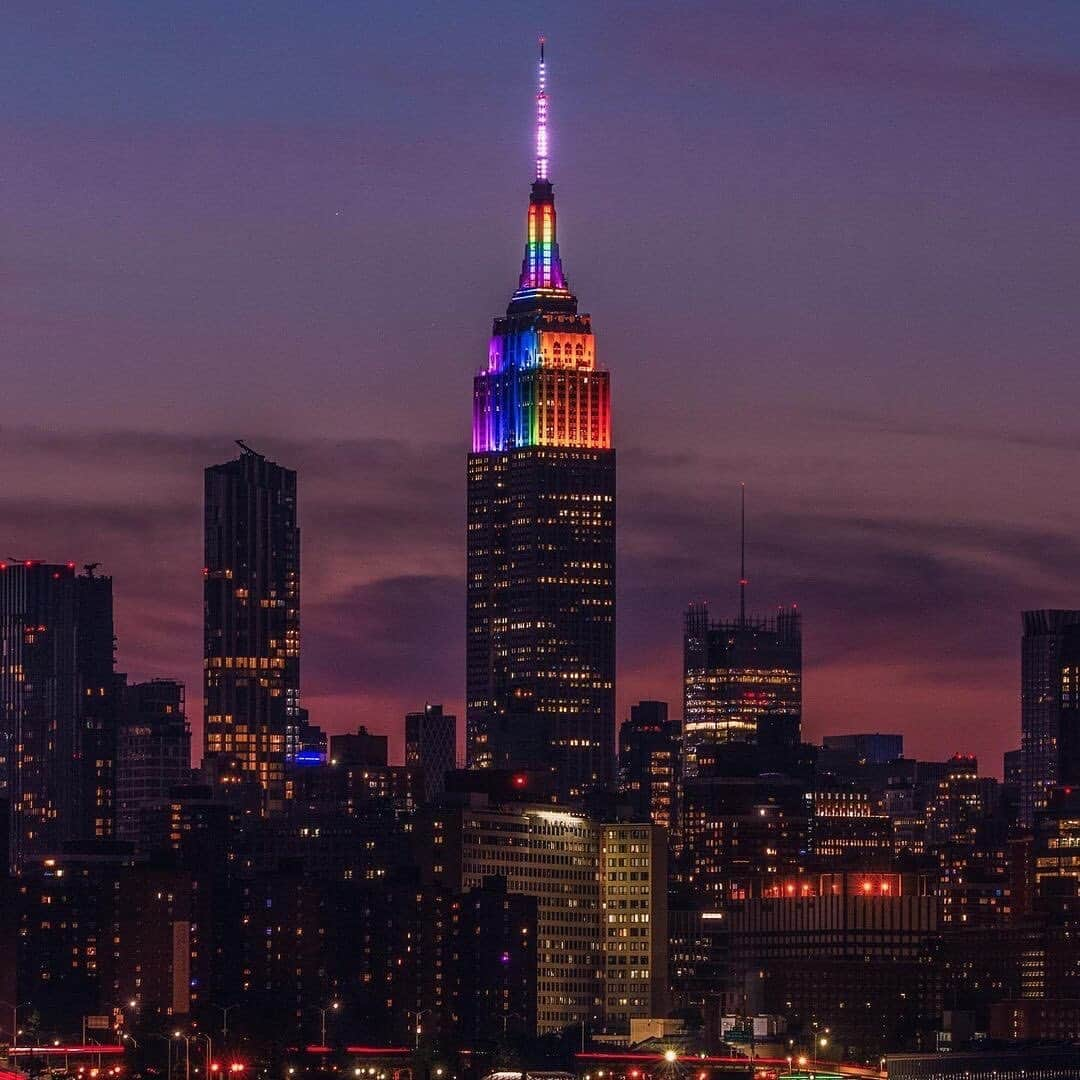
{"type": "Point", "coordinates": [1049, 707]}
{"type": "Point", "coordinates": [431, 745]}
{"type": "Point", "coordinates": [540, 653]}
{"type": "Point", "coordinates": [57, 705]}
{"type": "Point", "coordinates": [742, 682]}
{"type": "Point", "coordinates": [251, 656]}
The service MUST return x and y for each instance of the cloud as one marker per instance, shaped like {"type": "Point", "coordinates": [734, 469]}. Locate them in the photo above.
{"type": "Point", "coordinates": [906, 611]}
{"type": "Point", "coordinates": [905, 48]}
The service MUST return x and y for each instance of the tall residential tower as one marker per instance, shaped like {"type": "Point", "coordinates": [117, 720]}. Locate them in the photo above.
{"type": "Point", "coordinates": [251, 657]}
{"type": "Point", "coordinates": [540, 680]}
{"type": "Point", "coordinates": [57, 706]}
{"type": "Point", "coordinates": [1049, 707]}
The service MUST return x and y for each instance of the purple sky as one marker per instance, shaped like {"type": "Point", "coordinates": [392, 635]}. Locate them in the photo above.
{"type": "Point", "coordinates": [831, 249]}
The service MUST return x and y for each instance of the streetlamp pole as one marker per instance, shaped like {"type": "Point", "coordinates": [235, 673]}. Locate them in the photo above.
{"type": "Point", "coordinates": [225, 1010]}
{"type": "Point", "coordinates": [335, 1005]}
{"type": "Point", "coordinates": [187, 1053]}
{"type": "Point", "coordinates": [420, 1013]}
{"type": "Point", "coordinates": [209, 1051]}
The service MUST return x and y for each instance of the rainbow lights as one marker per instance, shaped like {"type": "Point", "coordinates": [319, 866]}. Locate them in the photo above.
{"type": "Point", "coordinates": [541, 120]}
{"type": "Point", "coordinates": [542, 386]}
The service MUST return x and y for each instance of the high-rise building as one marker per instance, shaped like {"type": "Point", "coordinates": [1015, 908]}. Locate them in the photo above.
{"type": "Point", "coordinates": [540, 652]}
{"type": "Point", "coordinates": [251, 655]}
{"type": "Point", "coordinates": [601, 894]}
{"type": "Point", "coordinates": [649, 764]}
{"type": "Point", "coordinates": [742, 681]}
{"type": "Point", "coordinates": [431, 745]}
{"type": "Point", "coordinates": [153, 751]}
{"type": "Point", "coordinates": [100, 690]}
{"type": "Point", "coordinates": [1049, 707]}
{"type": "Point", "coordinates": [57, 705]}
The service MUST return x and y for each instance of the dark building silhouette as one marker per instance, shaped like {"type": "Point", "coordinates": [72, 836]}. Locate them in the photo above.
{"type": "Point", "coordinates": [252, 622]}
{"type": "Point", "coordinates": [498, 943]}
{"type": "Point", "coordinates": [868, 749]}
{"type": "Point", "coordinates": [153, 751]}
{"type": "Point", "coordinates": [358, 748]}
{"type": "Point", "coordinates": [57, 705]}
{"type": "Point", "coordinates": [649, 763]}
{"type": "Point", "coordinates": [742, 683]}
{"type": "Point", "coordinates": [540, 647]}
{"type": "Point", "coordinates": [431, 745]}
{"type": "Point", "coordinates": [1049, 707]}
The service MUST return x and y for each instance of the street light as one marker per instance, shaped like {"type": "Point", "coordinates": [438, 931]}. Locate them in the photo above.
{"type": "Point", "coordinates": [334, 1005]}
{"type": "Point", "coordinates": [15, 1017]}
{"type": "Point", "coordinates": [422, 1012]}
{"type": "Point", "coordinates": [225, 1010]}
{"type": "Point", "coordinates": [670, 1056]}
{"type": "Point", "coordinates": [187, 1052]}
{"type": "Point", "coordinates": [209, 1049]}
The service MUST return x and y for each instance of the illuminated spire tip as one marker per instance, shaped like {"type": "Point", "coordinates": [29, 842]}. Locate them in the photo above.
{"type": "Point", "coordinates": [541, 119]}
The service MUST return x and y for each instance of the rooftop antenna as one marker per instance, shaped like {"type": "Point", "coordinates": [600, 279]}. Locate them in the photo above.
{"type": "Point", "coordinates": [742, 554]}
{"type": "Point", "coordinates": [541, 118]}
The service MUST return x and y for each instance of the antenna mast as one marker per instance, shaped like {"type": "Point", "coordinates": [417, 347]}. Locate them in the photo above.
{"type": "Point", "coordinates": [541, 119]}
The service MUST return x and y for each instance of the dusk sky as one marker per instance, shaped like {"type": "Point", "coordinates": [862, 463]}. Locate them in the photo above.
{"type": "Point", "coordinates": [831, 249]}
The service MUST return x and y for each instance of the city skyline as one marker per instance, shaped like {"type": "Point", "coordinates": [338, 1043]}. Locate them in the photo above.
{"type": "Point", "coordinates": [860, 393]}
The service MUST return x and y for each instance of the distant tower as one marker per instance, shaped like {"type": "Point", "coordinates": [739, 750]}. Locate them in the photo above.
{"type": "Point", "coordinates": [431, 745]}
{"type": "Point", "coordinates": [540, 650]}
{"type": "Point", "coordinates": [742, 678]}
{"type": "Point", "coordinates": [154, 751]}
{"type": "Point", "coordinates": [251, 657]}
{"type": "Point", "coordinates": [1049, 707]}
{"type": "Point", "coordinates": [57, 706]}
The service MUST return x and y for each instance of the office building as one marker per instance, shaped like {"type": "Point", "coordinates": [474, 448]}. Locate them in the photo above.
{"type": "Point", "coordinates": [849, 827]}
{"type": "Point", "coordinates": [1049, 707]}
{"type": "Point", "coordinates": [153, 751]}
{"type": "Point", "coordinates": [540, 645]}
{"type": "Point", "coordinates": [601, 894]}
{"type": "Point", "coordinates": [742, 834]}
{"type": "Point", "coordinates": [649, 763]}
{"type": "Point", "coordinates": [742, 683]}
{"type": "Point", "coordinates": [431, 745]}
{"type": "Point", "coordinates": [251, 658]}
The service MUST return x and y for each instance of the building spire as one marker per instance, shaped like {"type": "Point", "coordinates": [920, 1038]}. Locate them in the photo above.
{"type": "Point", "coordinates": [542, 280]}
{"type": "Point", "coordinates": [541, 118]}
{"type": "Point", "coordinates": [742, 555]}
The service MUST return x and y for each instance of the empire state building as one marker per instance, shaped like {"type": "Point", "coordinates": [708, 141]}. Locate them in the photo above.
{"type": "Point", "coordinates": [540, 655]}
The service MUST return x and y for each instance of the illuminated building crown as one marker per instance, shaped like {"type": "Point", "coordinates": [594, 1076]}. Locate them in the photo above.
{"type": "Point", "coordinates": [542, 386]}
